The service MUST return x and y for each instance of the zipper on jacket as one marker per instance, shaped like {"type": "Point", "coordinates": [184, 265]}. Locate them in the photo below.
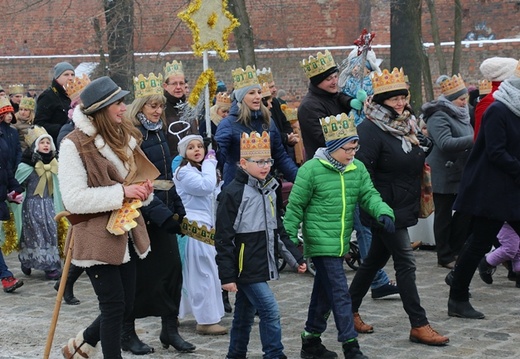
{"type": "Point", "coordinates": [343, 210]}
{"type": "Point", "coordinates": [241, 258]}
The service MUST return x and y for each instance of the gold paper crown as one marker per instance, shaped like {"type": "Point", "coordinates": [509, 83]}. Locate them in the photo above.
{"type": "Point", "coordinates": [31, 87]}
{"type": "Point", "coordinates": [388, 81]}
{"type": "Point", "coordinates": [16, 89]}
{"type": "Point", "coordinates": [27, 103]}
{"type": "Point", "coordinates": [265, 75]}
{"type": "Point", "coordinates": [148, 86]}
{"type": "Point", "coordinates": [337, 127]}
{"type": "Point", "coordinates": [317, 65]}
{"type": "Point", "coordinates": [33, 133]}
{"type": "Point", "coordinates": [517, 70]}
{"type": "Point", "coordinates": [223, 100]}
{"type": "Point", "coordinates": [265, 89]}
{"type": "Point", "coordinates": [243, 78]}
{"type": "Point", "coordinates": [484, 87]}
{"type": "Point", "coordinates": [291, 114]}
{"type": "Point", "coordinates": [5, 105]}
{"type": "Point", "coordinates": [75, 86]}
{"type": "Point", "coordinates": [254, 145]}
{"type": "Point", "coordinates": [452, 85]}
{"type": "Point", "coordinates": [175, 68]}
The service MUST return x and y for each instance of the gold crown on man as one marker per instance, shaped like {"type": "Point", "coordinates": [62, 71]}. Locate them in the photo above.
{"type": "Point", "coordinates": [255, 145]}
{"type": "Point", "coordinates": [291, 113]}
{"type": "Point", "coordinates": [265, 89]}
{"type": "Point", "coordinates": [452, 85]}
{"type": "Point", "coordinates": [244, 78]}
{"type": "Point", "coordinates": [388, 81]}
{"type": "Point", "coordinates": [517, 70]}
{"type": "Point", "coordinates": [337, 127]}
{"type": "Point", "coordinates": [74, 87]}
{"type": "Point", "coordinates": [265, 75]}
{"type": "Point", "coordinates": [173, 69]}
{"type": "Point", "coordinates": [317, 65]}
{"type": "Point", "coordinates": [28, 103]}
{"type": "Point", "coordinates": [33, 133]}
{"type": "Point", "coordinates": [148, 86]}
{"type": "Point", "coordinates": [16, 89]}
{"type": "Point", "coordinates": [484, 87]}
{"type": "Point", "coordinates": [223, 99]}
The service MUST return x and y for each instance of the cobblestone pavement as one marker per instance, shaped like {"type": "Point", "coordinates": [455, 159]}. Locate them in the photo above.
{"type": "Point", "coordinates": [26, 316]}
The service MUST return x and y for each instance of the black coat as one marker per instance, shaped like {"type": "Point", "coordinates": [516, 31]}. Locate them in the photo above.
{"type": "Point", "coordinates": [7, 181]}
{"type": "Point", "coordinates": [395, 173]}
{"type": "Point", "coordinates": [52, 108]}
{"type": "Point", "coordinates": [14, 148]}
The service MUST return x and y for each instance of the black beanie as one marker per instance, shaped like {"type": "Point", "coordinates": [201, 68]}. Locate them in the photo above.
{"type": "Point", "coordinates": [316, 80]}
{"type": "Point", "coordinates": [381, 97]}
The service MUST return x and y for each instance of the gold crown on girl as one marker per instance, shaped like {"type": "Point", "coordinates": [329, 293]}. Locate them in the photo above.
{"type": "Point", "coordinates": [291, 114]}
{"type": "Point", "coordinates": [33, 133]}
{"type": "Point", "coordinates": [255, 145]}
{"type": "Point", "coordinates": [148, 86]}
{"type": "Point", "coordinates": [16, 89]}
{"type": "Point", "coordinates": [337, 127]}
{"type": "Point", "coordinates": [265, 75]}
{"type": "Point", "coordinates": [243, 78]}
{"type": "Point", "coordinates": [388, 81]}
{"type": "Point", "coordinates": [223, 100]}
{"type": "Point", "coordinates": [452, 85]}
{"type": "Point", "coordinates": [265, 89]}
{"type": "Point", "coordinates": [317, 65]}
{"type": "Point", "coordinates": [28, 103]}
{"type": "Point", "coordinates": [517, 70]}
{"type": "Point", "coordinates": [5, 105]}
{"type": "Point", "coordinates": [174, 68]}
{"type": "Point", "coordinates": [484, 87]}
{"type": "Point", "coordinates": [74, 87]}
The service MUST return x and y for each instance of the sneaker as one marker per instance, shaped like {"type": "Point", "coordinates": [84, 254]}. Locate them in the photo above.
{"type": "Point", "coordinates": [485, 271]}
{"type": "Point", "coordinates": [312, 348]}
{"type": "Point", "coordinates": [10, 284]}
{"type": "Point", "coordinates": [351, 351]}
{"type": "Point", "coordinates": [385, 290]}
{"type": "Point", "coordinates": [427, 335]}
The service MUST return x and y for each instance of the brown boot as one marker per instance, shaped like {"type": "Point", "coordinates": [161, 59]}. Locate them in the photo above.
{"type": "Point", "coordinates": [361, 326]}
{"type": "Point", "coordinates": [427, 335]}
{"type": "Point", "coordinates": [78, 348]}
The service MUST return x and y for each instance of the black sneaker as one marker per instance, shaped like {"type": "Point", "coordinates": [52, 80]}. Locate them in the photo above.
{"type": "Point", "coordinates": [486, 271]}
{"type": "Point", "coordinates": [351, 351]}
{"type": "Point", "coordinates": [385, 291]}
{"type": "Point", "coordinates": [312, 348]}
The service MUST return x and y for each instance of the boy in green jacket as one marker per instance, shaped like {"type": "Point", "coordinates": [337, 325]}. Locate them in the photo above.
{"type": "Point", "coordinates": [323, 200]}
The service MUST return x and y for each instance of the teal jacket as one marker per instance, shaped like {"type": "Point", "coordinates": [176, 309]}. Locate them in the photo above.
{"type": "Point", "coordinates": [323, 199]}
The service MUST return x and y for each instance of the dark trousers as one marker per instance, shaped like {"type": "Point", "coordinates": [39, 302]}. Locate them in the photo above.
{"type": "Point", "coordinates": [450, 229]}
{"type": "Point", "coordinates": [484, 233]}
{"type": "Point", "coordinates": [383, 246]}
{"type": "Point", "coordinates": [115, 289]}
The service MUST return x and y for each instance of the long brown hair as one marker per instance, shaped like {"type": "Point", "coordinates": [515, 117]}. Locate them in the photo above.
{"type": "Point", "coordinates": [244, 114]}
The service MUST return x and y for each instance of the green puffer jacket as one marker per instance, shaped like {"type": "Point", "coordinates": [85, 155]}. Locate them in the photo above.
{"type": "Point", "coordinates": [324, 199]}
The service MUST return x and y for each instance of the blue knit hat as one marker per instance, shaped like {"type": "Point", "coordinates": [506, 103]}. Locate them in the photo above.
{"type": "Point", "coordinates": [335, 145]}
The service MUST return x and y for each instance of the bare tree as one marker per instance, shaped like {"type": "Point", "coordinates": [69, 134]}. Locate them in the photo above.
{"type": "Point", "coordinates": [436, 38]}
{"type": "Point", "coordinates": [244, 33]}
{"type": "Point", "coordinates": [457, 37]}
{"type": "Point", "coordinates": [365, 14]}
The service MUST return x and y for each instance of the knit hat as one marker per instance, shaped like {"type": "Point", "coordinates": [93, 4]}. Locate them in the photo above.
{"type": "Point", "coordinates": [316, 80]}
{"type": "Point", "coordinates": [338, 130]}
{"type": "Point", "coordinates": [382, 97]}
{"type": "Point", "coordinates": [498, 68]}
{"type": "Point", "coordinates": [239, 94]}
{"type": "Point", "coordinates": [6, 107]}
{"type": "Point", "coordinates": [221, 86]}
{"type": "Point", "coordinates": [61, 67]}
{"type": "Point", "coordinates": [41, 137]}
{"type": "Point", "coordinates": [99, 94]}
{"type": "Point", "coordinates": [182, 146]}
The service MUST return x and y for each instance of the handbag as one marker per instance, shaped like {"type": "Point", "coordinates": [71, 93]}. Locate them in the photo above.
{"type": "Point", "coordinates": [427, 206]}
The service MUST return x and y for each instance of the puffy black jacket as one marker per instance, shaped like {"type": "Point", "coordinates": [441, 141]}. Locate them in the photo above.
{"type": "Point", "coordinates": [52, 107]}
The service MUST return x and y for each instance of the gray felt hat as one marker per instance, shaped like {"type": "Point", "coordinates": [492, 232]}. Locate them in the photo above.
{"type": "Point", "coordinates": [101, 93]}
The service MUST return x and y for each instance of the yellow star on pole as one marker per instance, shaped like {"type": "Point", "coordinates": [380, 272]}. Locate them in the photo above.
{"type": "Point", "coordinates": [210, 25]}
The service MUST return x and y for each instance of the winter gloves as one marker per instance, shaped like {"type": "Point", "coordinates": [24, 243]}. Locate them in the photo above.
{"type": "Point", "coordinates": [357, 103]}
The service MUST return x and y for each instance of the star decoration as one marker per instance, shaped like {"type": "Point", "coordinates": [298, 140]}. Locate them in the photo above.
{"type": "Point", "coordinates": [210, 25]}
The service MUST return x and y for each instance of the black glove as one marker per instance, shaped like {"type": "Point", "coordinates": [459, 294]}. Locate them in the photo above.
{"type": "Point", "coordinates": [387, 223]}
{"type": "Point", "coordinates": [172, 226]}
{"type": "Point", "coordinates": [344, 102]}
{"type": "Point", "coordinates": [207, 142]}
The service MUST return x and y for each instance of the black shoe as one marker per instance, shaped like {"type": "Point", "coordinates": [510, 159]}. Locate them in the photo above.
{"type": "Point", "coordinates": [68, 294]}
{"type": "Point", "coordinates": [463, 310]}
{"type": "Point", "coordinates": [385, 291]}
{"type": "Point", "coordinates": [312, 348]}
{"type": "Point", "coordinates": [26, 271]}
{"type": "Point", "coordinates": [170, 335]}
{"type": "Point", "coordinates": [485, 271]}
{"type": "Point", "coordinates": [130, 342]}
{"type": "Point", "coordinates": [449, 278]}
{"type": "Point", "coordinates": [352, 351]}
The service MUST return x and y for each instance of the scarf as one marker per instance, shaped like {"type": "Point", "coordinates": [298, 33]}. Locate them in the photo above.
{"type": "Point", "coordinates": [149, 125]}
{"type": "Point", "coordinates": [443, 104]}
{"type": "Point", "coordinates": [402, 127]}
{"type": "Point", "coordinates": [509, 94]}
{"type": "Point", "coordinates": [336, 164]}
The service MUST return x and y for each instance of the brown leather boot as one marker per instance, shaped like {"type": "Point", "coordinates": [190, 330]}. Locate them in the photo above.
{"type": "Point", "coordinates": [427, 335]}
{"type": "Point", "coordinates": [361, 326]}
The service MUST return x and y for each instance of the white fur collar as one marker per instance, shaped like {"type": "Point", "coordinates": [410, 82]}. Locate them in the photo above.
{"type": "Point", "coordinates": [84, 124]}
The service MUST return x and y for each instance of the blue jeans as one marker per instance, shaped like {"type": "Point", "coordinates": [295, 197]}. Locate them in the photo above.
{"type": "Point", "coordinates": [249, 299]}
{"type": "Point", "coordinates": [4, 271]}
{"type": "Point", "coordinates": [330, 293]}
{"type": "Point", "coordinates": [364, 240]}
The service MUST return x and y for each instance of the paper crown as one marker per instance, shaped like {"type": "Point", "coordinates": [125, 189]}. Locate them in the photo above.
{"type": "Point", "coordinates": [265, 75]}
{"type": "Point", "coordinates": [517, 70]}
{"type": "Point", "coordinates": [27, 103]}
{"type": "Point", "coordinates": [75, 86]}
{"type": "Point", "coordinates": [452, 85]}
{"type": "Point", "coordinates": [33, 133]}
{"type": "Point", "coordinates": [5, 105]}
{"type": "Point", "coordinates": [265, 89]}
{"type": "Point", "coordinates": [31, 87]}
{"type": "Point", "coordinates": [175, 68]}
{"type": "Point", "coordinates": [244, 78]}
{"type": "Point", "coordinates": [291, 114]}
{"type": "Point", "coordinates": [484, 87]}
{"type": "Point", "coordinates": [223, 100]}
{"type": "Point", "coordinates": [148, 86]}
{"type": "Point", "coordinates": [317, 65]}
{"type": "Point", "coordinates": [388, 81]}
{"type": "Point", "coordinates": [337, 127]}
{"type": "Point", "coordinates": [16, 89]}
{"type": "Point", "coordinates": [254, 145]}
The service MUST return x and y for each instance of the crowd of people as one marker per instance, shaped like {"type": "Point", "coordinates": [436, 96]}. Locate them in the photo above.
{"type": "Point", "coordinates": [201, 202]}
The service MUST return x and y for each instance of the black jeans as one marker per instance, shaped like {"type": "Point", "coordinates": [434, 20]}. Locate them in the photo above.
{"type": "Point", "coordinates": [383, 246]}
{"type": "Point", "coordinates": [115, 289]}
{"type": "Point", "coordinates": [484, 233]}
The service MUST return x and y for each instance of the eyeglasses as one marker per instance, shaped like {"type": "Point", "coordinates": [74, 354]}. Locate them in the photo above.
{"type": "Point", "coordinates": [351, 149]}
{"type": "Point", "coordinates": [175, 84]}
{"type": "Point", "coordinates": [396, 100]}
{"type": "Point", "coordinates": [155, 106]}
{"type": "Point", "coordinates": [262, 163]}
